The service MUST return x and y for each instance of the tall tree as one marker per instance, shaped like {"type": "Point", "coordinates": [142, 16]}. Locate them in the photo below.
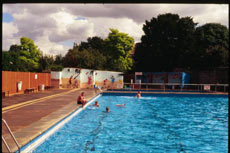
{"type": "Point", "coordinates": [58, 60]}
{"type": "Point", "coordinates": [212, 46]}
{"type": "Point", "coordinates": [165, 44]}
{"type": "Point", "coordinates": [86, 58]}
{"type": "Point", "coordinates": [46, 62]}
{"type": "Point", "coordinates": [8, 61]}
{"type": "Point", "coordinates": [118, 47]}
{"type": "Point", "coordinates": [91, 59]}
{"type": "Point", "coordinates": [70, 60]}
{"type": "Point", "coordinates": [26, 55]}
{"type": "Point", "coordinates": [15, 48]}
{"type": "Point", "coordinates": [93, 43]}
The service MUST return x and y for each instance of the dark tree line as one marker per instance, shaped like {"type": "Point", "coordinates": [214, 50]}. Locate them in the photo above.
{"type": "Point", "coordinates": [172, 42]}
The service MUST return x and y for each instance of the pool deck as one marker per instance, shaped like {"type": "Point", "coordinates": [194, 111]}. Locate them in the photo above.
{"type": "Point", "coordinates": [29, 115]}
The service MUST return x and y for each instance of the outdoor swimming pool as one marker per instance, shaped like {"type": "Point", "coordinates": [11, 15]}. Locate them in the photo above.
{"type": "Point", "coordinates": [154, 123]}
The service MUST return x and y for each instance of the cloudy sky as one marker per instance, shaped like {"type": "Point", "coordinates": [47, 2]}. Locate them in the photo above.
{"type": "Point", "coordinates": [54, 27]}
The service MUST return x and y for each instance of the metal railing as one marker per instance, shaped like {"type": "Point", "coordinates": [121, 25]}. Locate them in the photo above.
{"type": "Point", "coordinates": [4, 141]}
{"type": "Point", "coordinates": [177, 87]}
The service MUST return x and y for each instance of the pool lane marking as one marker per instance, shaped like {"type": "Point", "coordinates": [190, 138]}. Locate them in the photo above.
{"type": "Point", "coordinates": [32, 145]}
{"type": "Point", "coordinates": [16, 106]}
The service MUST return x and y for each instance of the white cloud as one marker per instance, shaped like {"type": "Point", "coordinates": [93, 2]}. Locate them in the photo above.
{"type": "Point", "coordinates": [32, 26]}
{"type": "Point", "coordinates": [68, 28]}
{"type": "Point", "coordinates": [48, 47]}
{"type": "Point", "coordinates": [123, 25]}
{"type": "Point", "coordinates": [63, 18]}
{"type": "Point", "coordinates": [81, 29]}
{"type": "Point", "coordinates": [8, 29]}
{"type": "Point", "coordinates": [201, 13]}
{"type": "Point", "coordinates": [213, 13]}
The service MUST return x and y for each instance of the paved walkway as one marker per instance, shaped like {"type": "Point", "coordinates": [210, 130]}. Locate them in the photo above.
{"type": "Point", "coordinates": [15, 99]}
{"type": "Point", "coordinates": [29, 115]}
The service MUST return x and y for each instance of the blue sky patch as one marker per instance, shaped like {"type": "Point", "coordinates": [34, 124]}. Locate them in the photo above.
{"type": "Point", "coordinates": [7, 17]}
{"type": "Point", "coordinates": [80, 18]}
{"type": "Point", "coordinates": [67, 43]}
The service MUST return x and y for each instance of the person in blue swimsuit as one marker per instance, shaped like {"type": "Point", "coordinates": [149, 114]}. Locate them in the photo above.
{"type": "Point", "coordinates": [113, 80]}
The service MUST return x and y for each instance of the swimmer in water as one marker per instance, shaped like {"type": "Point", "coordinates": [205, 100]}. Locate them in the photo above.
{"type": "Point", "coordinates": [121, 105]}
{"type": "Point", "coordinates": [96, 104]}
{"type": "Point", "coordinates": [107, 109]}
{"type": "Point", "coordinates": [138, 94]}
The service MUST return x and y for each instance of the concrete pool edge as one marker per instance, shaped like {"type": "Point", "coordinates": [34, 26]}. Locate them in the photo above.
{"type": "Point", "coordinates": [154, 92]}
{"type": "Point", "coordinates": [33, 144]}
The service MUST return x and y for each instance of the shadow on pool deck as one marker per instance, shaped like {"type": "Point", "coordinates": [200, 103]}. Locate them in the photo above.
{"type": "Point", "coordinates": [30, 121]}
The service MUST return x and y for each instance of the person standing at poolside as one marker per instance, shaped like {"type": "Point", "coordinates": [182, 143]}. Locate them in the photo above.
{"type": "Point", "coordinates": [89, 81]}
{"type": "Point", "coordinates": [70, 81]}
{"type": "Point", "coordinates": [105, 83]}
{"type": "Point", "coordinates": [81, 99]}
{"type": "Point", "coordinates": [113, 80]}
{"type": "Point", "coordinates": [75, 83]}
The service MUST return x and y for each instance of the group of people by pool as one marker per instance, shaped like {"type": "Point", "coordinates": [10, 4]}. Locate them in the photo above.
{"type": "Point", "coordinates": [81, 100]}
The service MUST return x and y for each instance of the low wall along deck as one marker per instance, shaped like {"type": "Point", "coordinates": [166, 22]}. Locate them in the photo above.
{"type": "Point", "coordinates": [87, 78]}
{"type": "Point", "coordinates": [28, 80]}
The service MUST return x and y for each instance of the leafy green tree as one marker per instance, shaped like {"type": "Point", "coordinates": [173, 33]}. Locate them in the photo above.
{"type": "Point", "coordinates": [70, 59]}
{"type": "Point", "coordinates": [96, 43]}
{"type": "Point", "coordinates": [15, 48]}
{"type": "Point", "coordinates": [118, 47]}
{"type": "Point", "coordinates": [46, 62]}
{"type": "Point", "coordinates": [58, 60]}
{"type": "Point", "coordinates": [212, 46]}
{"type": "Point", "coordinates": [110, 54]}
{"type": "Point", "coordinates": [86, 58]}
{"type": "Point", "coordinates": [56, 67]}
{"type": "Point", "coordinates": [166, 44]}
{"type": "Point", "coordinates": [26, 55]}
{"type": "Point", "coordinates": [7, 61]}
{"type": "Point", "coordinates": [91, 59]}
{"type": "Point", "coordinates": [217, 56]}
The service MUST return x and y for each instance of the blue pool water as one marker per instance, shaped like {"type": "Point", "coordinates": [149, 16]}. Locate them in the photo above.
{"type": "Point", "coordinates": [153, 123]}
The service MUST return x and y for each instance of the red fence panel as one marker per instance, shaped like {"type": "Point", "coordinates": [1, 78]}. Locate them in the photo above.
{"type": "Point", "coordinates": [34, 80]}
{"type": "Point", "coordinates": [11, 82]}
{"type": "Point", "coordinates": [24, 77]}
{"type": "Point", "coordinates": [48, 82]}
{"type": "Point", "coordinates": [4, 83]}
{"type": "Point", "coordinates": [29, 80]}
{"type": "Point", "coordinates": [42, 78]}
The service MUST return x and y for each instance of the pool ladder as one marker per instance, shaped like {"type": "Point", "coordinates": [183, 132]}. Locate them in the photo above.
{"type": "Point", "coordinates": [4, 141]}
